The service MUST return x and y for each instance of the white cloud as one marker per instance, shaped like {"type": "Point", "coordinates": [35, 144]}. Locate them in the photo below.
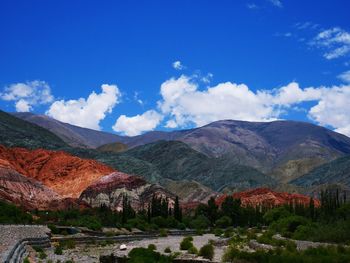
{"type": "Point", "coordinates": [86, 112]}
{"type": "Point", "coordinates": [178, 65]}
{"type": "Point", "coordinates": [276, 3]}
{"type": "Point", "coordinates": [334, 41]}
{"type": "Point", "coordinates": [184, 104]}
{"type": "Point", "coordinates": [27, 95]}
{"type": "Point", "coordinates": [23, 106]}
{"type": "Point", "coordinates": [345, 76]}
{"type": "Point", "coordinates": [252, 6]}
{"type": "Point", "coordinates": [135, 125]}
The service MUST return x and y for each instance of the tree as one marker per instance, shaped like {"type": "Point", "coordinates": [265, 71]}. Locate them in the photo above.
{"type": "Point", "coordinates": [212, 210]}
{"type": "Point", "coordinates": [177, 210]}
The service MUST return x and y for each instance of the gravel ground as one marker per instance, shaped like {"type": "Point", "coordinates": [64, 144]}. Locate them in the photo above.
{"type": "Point", "coordinates": [90, 253]}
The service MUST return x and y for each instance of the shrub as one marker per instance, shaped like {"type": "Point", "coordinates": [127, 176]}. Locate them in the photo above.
{"type": "Point", "coordinates": [58, 250]}
{"type": "Point", "coordinates": [218, 232]}
{"type": "Point", "coordinates": [38, 249]}
{"type": "Point", "coordinates": [276, 214]}
{"type": "Point", "coordinates": [152, 247]}
{"type": "Point", "coordinates": [193, 250]}
{"type": "Point", "coordinates": [287, 225]}
{"type": "Point", "coordinates": [42, 255]}
{"type": "Point", "coordinates": [163, 232]}
{"type": "Point", "coordinates": [138, 255]}
{"type": "Point", "coordinates": [200, 222]}
{"type": "Point", "coordinates": [68, 244]}
{"type": "Point", "coordinates": [167, 250]}
{"type": "Point", "coordinates": [26, 260]}
{"type": "Point", "coordinates": [223, 222]}
{"type": "Point", "coordinates": [53, 228]}
{"type": "Point", "coordinates": [186, 243]}
{"type": "Point", "coordinates": [207, 251]}
{"type": "Point", "coordinates": [181, 226]}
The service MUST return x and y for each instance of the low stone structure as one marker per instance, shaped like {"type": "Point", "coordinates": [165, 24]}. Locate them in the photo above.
{"type": "Point", "coordinates": [15, 238]}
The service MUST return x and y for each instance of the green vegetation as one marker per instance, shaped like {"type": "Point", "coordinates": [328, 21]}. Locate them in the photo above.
{"type": "Point", "coordinates": [207, 251]}
{"type": "Point", "coordinates": [20, 133]}
{"type": "Point", "coordinates": [321, 254]}
{"type": "Point", "coordinates": [152, 247]}
{"type": "Point", "coordinates": [186, 243]}
{"type": "Point", "coordinates": [10, 214]}
{"type": "Point", "coordinates": [167, 250]}
{"type": "Point", "coordinates": [138, 255]}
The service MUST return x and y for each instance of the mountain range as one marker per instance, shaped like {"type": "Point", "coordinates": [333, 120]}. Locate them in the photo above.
{"type": "Point", "coordinates": [223, 156]}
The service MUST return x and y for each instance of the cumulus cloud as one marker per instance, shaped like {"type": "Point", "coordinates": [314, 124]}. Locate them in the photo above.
{"type": "Point", "coordinates": [334, 41]}
{"type": "Point", "coordinates": [345, 76]}
{"type": "Point", "coordinates": [135, 125]}
{"type": "Point", "coordinates": [86, 112]}
{"type": "Point", "coordinates": [184, 104]}
{"type": "Point", "coordinates": [27, 95]}
{"type": "Point", "coordinates": [178, 65]}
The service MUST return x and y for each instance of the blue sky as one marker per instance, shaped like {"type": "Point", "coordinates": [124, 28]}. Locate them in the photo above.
{"type": "Point", "coordinates": [251, 60]}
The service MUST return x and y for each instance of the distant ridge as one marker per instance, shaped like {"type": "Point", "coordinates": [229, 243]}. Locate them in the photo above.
{"type": "Point", "coordinates": [73, 135]}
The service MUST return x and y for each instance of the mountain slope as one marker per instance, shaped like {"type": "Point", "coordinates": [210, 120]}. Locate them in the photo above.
{"type": "Point", "coordinates": [177, 161]}
{"type": "Point", "coordinates": [335, 172]}
{"type": "Point", "coordinates": [73, 135]}
{"type": "Point", "coordinates": [65, 174]}
{"type": "Point", "coordinates": [267, 145]}
{"type": "Point", "coordinates": [17, 132]}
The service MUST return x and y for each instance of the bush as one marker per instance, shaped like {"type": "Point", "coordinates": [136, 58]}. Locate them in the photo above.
{"type": "Point", "coordinates": [42, 255]}
{"type": "Point", "coordinates": [207, 251]}
{"type": "Point", "coordinates": [193, 250]}
{"type": "Point", "coordinates": [181, 226]}
{"type": "Point", "coordinates": [223, 222]}
{"type": "Point", "coordinates": [167, 250]}
{"type": "Point", "coordinates": [58, 250]}
{"type": "Point", "coordinates": [186, 243]}
{"type": "Point", "coordinates": [218, 232]}
{"type": "Point", "coordinates": [152, 247]}
{"type": "Point", "coordinates": [200, 222]}
{"type": "Point", "coordinates": [68, 244]}
{"type": "Point", "coordinates": [26, 260]}
{"type": "Point", "coordinates": [288, 225]}
{"type": "Point", "coordinates": [276, 214]}
{"type": "Point", "coordinates": [163, 232]}
{"type": "Point", "coordinates": [138, 255]}
{"type": "Point", "coordinates": [53, 229]}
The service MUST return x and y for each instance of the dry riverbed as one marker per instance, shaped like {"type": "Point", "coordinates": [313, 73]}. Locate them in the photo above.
{"type": "Point", "coordinates": [89, 253]}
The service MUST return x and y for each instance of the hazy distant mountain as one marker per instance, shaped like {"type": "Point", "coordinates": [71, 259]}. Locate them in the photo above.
{"type": "Point", "coordinates": [73, 135]}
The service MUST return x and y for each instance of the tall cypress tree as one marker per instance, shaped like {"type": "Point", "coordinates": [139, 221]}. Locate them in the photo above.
{"type": "Point", "coordinates": [177, 210]}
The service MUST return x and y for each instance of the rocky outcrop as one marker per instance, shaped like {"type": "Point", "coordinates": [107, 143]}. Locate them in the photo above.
{"type": "Point", "coordinates": [65, 174]}
{"type": "Point", "coordinates": [190, 191]}
{"type": "Point", "coordinates": [267, 197]}
{"type": "Point", "coordinates": [24, 191]}
{"type": "Point", "coordinates": [31, 194]}
{"type": "Point", "coordinates": [110, 189]}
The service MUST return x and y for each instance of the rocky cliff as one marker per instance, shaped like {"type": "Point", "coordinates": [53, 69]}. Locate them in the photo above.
{"type": "Point", "coordinates": [265, 196]}
{"type": "Point", "coordinates": [110, 189]}
{"type": "Point", "coordinates": [65, 174]}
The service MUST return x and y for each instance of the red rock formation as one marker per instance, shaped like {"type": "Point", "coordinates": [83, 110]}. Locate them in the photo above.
{"type": "Point", "coordinates": [109, 190]}
{"type": "Point", "coordinates": [265, 196]}
{"type": "Point", "coordinates": [24, 191]}
{"type": "Point", "coordinates": [65, 174]}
